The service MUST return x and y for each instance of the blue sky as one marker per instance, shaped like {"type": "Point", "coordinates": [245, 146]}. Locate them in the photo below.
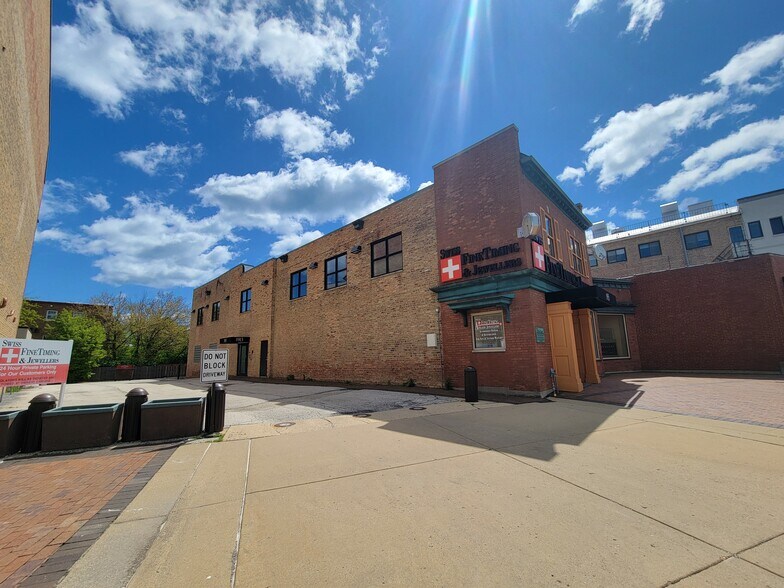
{"type": "Point", "coordinates": [188, 137]}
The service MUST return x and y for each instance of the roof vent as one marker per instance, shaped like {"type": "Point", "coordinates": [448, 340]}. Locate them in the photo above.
{"type": "Point", "coordinates": [599, 229]}
{"type": "Point", "coordinates": [701, 207]}
{"type": "Point", "coordinates": [670, 212]}
{"type": "Point", "coordinates": [358, 224]}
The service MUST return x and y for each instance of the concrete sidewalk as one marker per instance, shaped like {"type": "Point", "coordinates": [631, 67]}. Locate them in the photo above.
{"type": "Point", "coordinates": [555, 493]}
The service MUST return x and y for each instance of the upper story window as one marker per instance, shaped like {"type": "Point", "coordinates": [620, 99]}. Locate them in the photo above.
{"type": "Point", "coordinates": [736, 234]}
{"type": "Point", "coordinates": [298, 285]}
{"type": "Point", "coordinates": [576, 254]}
{"type": "Point", "coordinates": [777, 225]}
{"type": "Point", "coordinates": [51, 315]}
{"type": "Point", "coordinates": [651, 249]}
{"type": "Point", "coordinates": [245, 300]}
{"type": "Point", "coordinates": [755, 230]}
{"type": "Point", "coordinates": [549, 237]}
{"type": "Point", "coordinates": [593, 261]}
{"type": "Point", "coordinates": [616, 255]}
{"type": "Point", "coordinates": [215, 310]}
{"type": "Point", "coordinates": [199, 316]}
{"type": "Point", "coordinates": [697, 240]}
{"type": "Point", "coordinates": [335, 272]}
{"type": "Point", "coordinates": [387, 255]}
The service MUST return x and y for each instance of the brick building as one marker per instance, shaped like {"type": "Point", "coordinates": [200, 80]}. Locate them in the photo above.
{"type": "Point", "coordinates": [486, 267]}
{"type": "Point", "coordinates": [47, 311]}
{"type": "Point", "coordinates": [24, 136]}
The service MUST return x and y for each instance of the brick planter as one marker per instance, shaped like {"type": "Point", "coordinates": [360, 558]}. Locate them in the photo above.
{"type": "Point", "coordinates": [80, 427]}
{"type": "Point", "coordinates": [12, 428]}
{"type": "Point", "coordinates": [172, 418]}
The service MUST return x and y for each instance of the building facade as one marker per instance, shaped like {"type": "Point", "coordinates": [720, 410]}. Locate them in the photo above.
{"type": "Point", "coordinates": [48, 310]}
{"type": "Point", "coordinates": [763, 217]}
{"type": "Point", "coordinates": [24, 136]}
{"type": "Point", "coordinates": [488, 267]}
{"type": "Point", "coordinates": [417, 291]}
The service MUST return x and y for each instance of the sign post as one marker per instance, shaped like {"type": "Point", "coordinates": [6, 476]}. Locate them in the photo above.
{"type": "Point", "coordinates": [31, 361]}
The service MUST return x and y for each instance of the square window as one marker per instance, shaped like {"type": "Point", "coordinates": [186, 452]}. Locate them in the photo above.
{"type": "Point", "coordinates": [51, 315]}
{"type": "Point", "coordinates": [697, 240]}
{"type": "Point", "coordinates": [755, 230]}
{"type": "Point", "coordinates": [387, 255]}
{"type": "Point", "coordinates": [612, 336]}
{"type": "Point", "coordinates": [650, 249]}
{"type": "Point", "coordinates": [736, 234]}
{"type": "Point", "coordinates": [298, 286]}
{"type": "Point", "coordinates": [593, 261]}
{"type": "Point", "coordinates": [335, 272]}
{"type": "Point", "coordinates": [245, 297]}
{"type": "Point", "coordinates": [777, 225]}
{"type": "Point", "coordinates": [616, 255]}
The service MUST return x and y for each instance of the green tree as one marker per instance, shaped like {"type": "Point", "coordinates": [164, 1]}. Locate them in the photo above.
{"type": "Point", "coordinates": [29, 316]}
{"type": "Point", "coordinates": [88, 343]}
{"type": "Point", "coordinates": [147, 331]}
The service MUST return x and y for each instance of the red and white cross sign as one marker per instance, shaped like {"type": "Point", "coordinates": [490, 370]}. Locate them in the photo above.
{"type": "Point", "coordinates": [10, 355]}
{"type": "Point", "coordinates": [538, 254]}
{"type": "Point", "coordinates": [451, 269]}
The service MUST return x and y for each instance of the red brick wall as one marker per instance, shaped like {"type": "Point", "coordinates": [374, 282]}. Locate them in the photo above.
{"type": "Point", "coordinates": [722, 316]}
{"type": "Point", "coordinates": [525, 365]}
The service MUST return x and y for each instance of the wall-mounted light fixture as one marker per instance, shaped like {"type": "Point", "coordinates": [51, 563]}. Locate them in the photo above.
{"type": "Point", "coordinates": [265, 282]}
{"type": "Point", "coordinates": [313, 265]}
{"type": "Point", "coordinates": [358, 224]}
{"type": "Point", "coordinates": [208, 292]}
{"type": "Point", "coordinates": [227, 297]}
{"type": "Point", "coordinates": [356, 249]}
{"type": "Point", "coordinates": [193, 311]}
{"type": "Point", "coordinates": [284, 258]}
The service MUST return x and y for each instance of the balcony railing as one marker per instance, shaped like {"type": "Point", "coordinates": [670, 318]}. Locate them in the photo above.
{"type": "Point", "coordinates": [707, 212]}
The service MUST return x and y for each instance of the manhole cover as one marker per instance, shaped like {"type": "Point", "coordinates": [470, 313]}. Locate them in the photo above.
{"type": "Point", "coordinates": [417, 408]}
{"type": "Point", "coordinates": [361, 415]}
{"type": "Point", "coordinates": [284, 424]}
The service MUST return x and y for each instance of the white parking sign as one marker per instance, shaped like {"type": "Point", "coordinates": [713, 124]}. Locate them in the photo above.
{"type": "Point", "coordinates": [214, 365]}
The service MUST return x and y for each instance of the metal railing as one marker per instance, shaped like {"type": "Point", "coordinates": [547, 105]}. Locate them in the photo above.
{"type": "Point", "coordinates": [138, 372]}
{"type": "Point", "coordinates": [736, 250]}
{"type": "Point", "coordinates": [709, 211]}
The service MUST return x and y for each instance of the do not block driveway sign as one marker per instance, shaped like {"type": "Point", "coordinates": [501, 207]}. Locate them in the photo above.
{"type": "Point", "coordinates": [214, 365]}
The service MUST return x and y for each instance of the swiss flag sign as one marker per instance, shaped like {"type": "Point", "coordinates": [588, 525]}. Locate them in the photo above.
{"type": "Point", "coordinates": [451, 269]}
{"type": "Point", "coordinates": [538, 254]}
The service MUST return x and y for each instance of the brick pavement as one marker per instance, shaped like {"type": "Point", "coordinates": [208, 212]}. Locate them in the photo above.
{"type": "Point", "coordinates": [53, 508]}
{"type": "Point", "coordinates": [756, 400]}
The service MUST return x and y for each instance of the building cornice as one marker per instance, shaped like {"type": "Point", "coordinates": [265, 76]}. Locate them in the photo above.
{"type": "Point", "coordinates": [542, 180]}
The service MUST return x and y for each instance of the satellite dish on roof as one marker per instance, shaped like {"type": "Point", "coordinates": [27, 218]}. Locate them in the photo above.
{"type": "Point", "coordinates": [599, 252]}
{"type": "Point", "coordinates": [530, 225]}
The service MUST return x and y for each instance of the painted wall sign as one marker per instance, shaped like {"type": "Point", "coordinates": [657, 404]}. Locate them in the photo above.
{"type": "Point", "coordinates": [453, 257]}
{"type": "Point", "coordinates": [214, 365]}
{"type": "Point", "coordinates": [228, 340]}
{"type": "Point", "coordinates": [556, 268]}
{"type": "Point", "coordinates": [488, 331]}
{"type": "Point", "coordinates": [31, 361]}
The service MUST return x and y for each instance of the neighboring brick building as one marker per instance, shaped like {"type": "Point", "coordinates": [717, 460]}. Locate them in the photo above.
{"type": "Point", "coordinates": [48, 310]}
{"type": "Point", "coordinates": [448, 278]}
{"type": "Point", "coordinates": [704, 234]}
{"type": "Point", "coordinates": [24, 136]}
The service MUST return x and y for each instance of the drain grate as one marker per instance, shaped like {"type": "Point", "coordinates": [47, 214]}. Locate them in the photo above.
{"type": "Point", "coordinates": [361, 415]}
{"type": "Point", "coordinates": [284, 424]}
{"type": "Point", "coordinates": [417, 408]}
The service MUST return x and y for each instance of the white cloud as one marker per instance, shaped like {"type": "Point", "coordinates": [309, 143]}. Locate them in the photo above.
{"type": "Point", "coordinates": [99, 201]}
{"type": "Point", "coordinates": [117, 48]}
{"type": "Point", "coordinates": [255, 105]}
{"type": "Point", "coordinates": [613, 211]}
{"type": "Point", "coordinates": [286, 243]}
{"type": "Point", "coordinates": [633, 214]}
{"type": "Point", "coordinates": [424, 185]}
{"type": "Point", "coordinates": [59, 198]}
{"type": "Point", "coordinates": [630, 140]}
{"type": "Point", "coordinates": [174, 117]}
{"type": "Point", "coordinates": [158, 157]}
{"type": "Point", "coordinates": [573, 174]}
{"type": "Point", "coordinates": [746, 67]}
{"type": "Point", "coordinates": [753, 147]}
{"type": "Point", "coordinates": [299, 132]}
{"type": "Point", "coordinates": [642, 13]}
{"type": "Point", "coordinates": [592, 210]}
{"type": "Point", "coordinates": [152, 245]}
{"type": "Point", "coordinates": [305, 192]}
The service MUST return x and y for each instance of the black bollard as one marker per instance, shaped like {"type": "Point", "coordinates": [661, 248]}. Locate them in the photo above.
{"type": "Point", "coordinates": [471, 385]}
{"type": "Point", "coordinates": [38, 405]}
{"type": "Point", "coordinates": [216, 409]}
{"type": "Point", "coordinates": [132, 414]}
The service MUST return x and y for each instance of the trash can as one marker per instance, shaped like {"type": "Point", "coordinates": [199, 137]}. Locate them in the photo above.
{"type": "Point", "coordinates": [216, 409]}
{"type": "Point", "coordinates": [132, 414]}
{"type": "Point", "coordinates": [38, 405]}
{"type": "Point", "coordinates": [471, 385]}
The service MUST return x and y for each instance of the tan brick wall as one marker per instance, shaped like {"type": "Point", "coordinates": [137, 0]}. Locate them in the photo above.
{"type": "Point", "coordinates": [673, 253]}
{"type": "Point", "coordinates": [372, 330]}
{"type": "Point", "coordinates": [24, 136]}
